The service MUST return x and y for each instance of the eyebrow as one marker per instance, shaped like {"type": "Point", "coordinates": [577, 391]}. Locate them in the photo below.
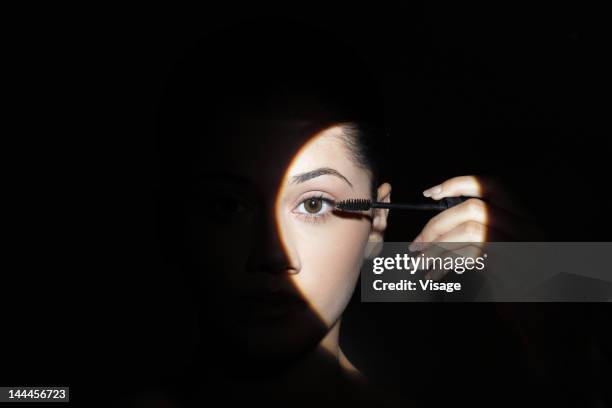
{"type": "Point", "coordinates": [322, 171]}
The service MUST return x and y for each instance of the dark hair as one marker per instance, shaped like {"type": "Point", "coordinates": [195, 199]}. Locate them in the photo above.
{"type": "Point", "coordinates": [359, 140]}
{"type": "Point", "coordinates": [257, 68]}
{"type": "Point", "coordinates": [273, 68]}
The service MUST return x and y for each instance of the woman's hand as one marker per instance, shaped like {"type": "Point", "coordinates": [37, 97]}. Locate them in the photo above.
{"type": "Point", "coordinates": [473, 222]}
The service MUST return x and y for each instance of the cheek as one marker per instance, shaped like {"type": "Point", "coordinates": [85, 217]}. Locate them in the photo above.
{"type": "Point", "coordinates": [330, 258]}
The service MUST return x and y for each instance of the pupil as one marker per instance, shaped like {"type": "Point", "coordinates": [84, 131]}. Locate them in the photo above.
{"type": "Point", "coordinates": [313, 205]}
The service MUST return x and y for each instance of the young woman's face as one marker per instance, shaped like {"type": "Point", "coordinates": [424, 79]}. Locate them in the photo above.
{"type": "Point", "coordinates": [277, 264]}
{"type": "Point", "coordinates": [325, 248]}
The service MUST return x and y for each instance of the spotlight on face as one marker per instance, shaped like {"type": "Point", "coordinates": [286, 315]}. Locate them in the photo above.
{"type": "Point", "coordinates": [276, 264]}
{"type": "Point", "coordinates": [326, 248]}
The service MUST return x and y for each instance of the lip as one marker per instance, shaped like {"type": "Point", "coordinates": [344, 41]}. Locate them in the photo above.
{"type": "Point", "coordinates": [271, 305]}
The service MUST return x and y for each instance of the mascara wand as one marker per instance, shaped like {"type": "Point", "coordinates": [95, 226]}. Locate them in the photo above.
{"type": "Point", "coordinates": [364, 204]}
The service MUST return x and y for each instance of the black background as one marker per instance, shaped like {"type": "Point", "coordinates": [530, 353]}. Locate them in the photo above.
{"type": "Point", "coordinates": [508, 90]}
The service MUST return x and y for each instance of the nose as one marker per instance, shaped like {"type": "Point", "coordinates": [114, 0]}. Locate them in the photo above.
{"type": "Point", "coordinates": [269, 252]}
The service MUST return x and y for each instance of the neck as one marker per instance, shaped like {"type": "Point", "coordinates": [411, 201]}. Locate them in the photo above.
{"type": "Point", "coordinates": [322, 371]}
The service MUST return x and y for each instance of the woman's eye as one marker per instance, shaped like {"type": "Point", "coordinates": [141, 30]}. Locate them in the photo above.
{"type": "Point", "coordinates": [314, 206]}
{"type": "Point", "coordinates": [227, 206]}
{"type": "Point", "coordinates": [234, 206]}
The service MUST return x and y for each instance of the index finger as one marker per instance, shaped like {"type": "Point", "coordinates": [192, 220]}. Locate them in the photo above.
{"type": "Point", "coordinates": [486, 187]}
{"type": "Point", "coordinates": [456, 186]}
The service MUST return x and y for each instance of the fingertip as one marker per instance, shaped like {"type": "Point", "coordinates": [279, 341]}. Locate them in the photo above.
{"type": "Point", "coordinates": [433, 191]}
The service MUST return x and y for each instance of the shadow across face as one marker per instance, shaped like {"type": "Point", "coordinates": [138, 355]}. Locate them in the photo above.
{"type": "Point", "coordinates": [243, 274]}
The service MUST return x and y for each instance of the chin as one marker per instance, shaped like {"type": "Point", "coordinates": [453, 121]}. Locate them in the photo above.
{"type": "Point", "coordinates": [268, 346]}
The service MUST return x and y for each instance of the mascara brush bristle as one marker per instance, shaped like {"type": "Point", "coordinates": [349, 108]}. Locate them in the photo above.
{"type": "Point", "coordinates": [358, 204]}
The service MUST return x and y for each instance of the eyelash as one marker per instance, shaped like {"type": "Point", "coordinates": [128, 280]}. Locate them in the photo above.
{"type": "Point", "coordinates": [315, 218]}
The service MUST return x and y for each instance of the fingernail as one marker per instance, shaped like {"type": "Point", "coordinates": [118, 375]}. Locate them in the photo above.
{"type": "Point", "coordinates": [437, 275]}
{"type": "Point", "coordinates": [432, 191]}
{"type": "Point", "coordinates": [414, 246]}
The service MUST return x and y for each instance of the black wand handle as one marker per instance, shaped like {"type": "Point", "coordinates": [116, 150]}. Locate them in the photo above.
{"type": "Point", "coordinates": [441, 205]}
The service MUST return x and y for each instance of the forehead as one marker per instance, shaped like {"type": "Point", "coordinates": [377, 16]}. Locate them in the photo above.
{"type": "Point", "coordinates": [266, 151]}
{"type": "Point", "coordinates": [269, 146]}
{"type": "Point", "coordinates": [325, 148]}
